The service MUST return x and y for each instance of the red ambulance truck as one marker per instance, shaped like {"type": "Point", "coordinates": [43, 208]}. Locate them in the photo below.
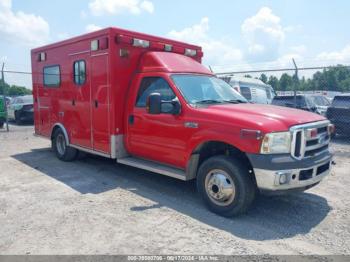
{"type": "Point", "coordinates": [147, 102]}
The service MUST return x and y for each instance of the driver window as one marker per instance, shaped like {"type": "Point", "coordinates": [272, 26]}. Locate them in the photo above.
{"type": "Point", "coordinates": [151, 85]}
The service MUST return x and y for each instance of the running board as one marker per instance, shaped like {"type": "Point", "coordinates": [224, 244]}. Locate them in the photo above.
{"type": "Point", "coordinates": [153, 167]}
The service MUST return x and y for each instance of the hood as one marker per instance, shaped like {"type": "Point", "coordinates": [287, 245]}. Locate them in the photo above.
{"type": "Point", "coordinates": [267, 118]}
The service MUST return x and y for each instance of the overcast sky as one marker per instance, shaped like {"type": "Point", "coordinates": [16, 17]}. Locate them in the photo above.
{"type": "Point", "coordinates": [235, 35]}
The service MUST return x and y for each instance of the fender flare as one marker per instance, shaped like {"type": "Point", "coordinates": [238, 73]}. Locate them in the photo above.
{"type": "Point", "coordinates": [193, 159]}
{"type": "Point", "coordinates": [59, 125]}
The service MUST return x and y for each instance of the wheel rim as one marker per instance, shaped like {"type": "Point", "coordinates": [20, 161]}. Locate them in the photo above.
{"type": "Point", "coordinates": [61, 144]}
{"type": "Point", "coordinates": [220, 187]}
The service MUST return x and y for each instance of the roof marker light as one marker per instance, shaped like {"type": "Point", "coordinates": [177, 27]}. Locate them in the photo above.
{"type": "Point", "coordinates": [140, 43]}
{"type": "Point", "coordinates": [190, 52]}
{"type": "Point", "coordinates": [42, 57]}
{"type": "Point", "coordinates": [94, 45]}
{"type": "Point", "coordinates": [168, 48]}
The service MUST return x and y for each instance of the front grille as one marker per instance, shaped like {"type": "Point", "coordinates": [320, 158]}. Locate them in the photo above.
{"type": "Point", "coordinates": [298, 141]}
{"type": "Point", "coordinates": [312, 142]}
{"type": "Point", "coordinates": [322, 169]}
{"type": "Point", "coordinates": [304, 146]}
{"type": "Point", "coordinates": [316, 151]}
{"type": "Point", "coordinates": [306, 174]}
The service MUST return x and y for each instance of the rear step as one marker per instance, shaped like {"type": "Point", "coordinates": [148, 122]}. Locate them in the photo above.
{"type": "Point", "coordinates": [153, 167]}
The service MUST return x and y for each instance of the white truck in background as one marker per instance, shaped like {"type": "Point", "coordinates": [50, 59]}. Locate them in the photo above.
{"type": "Point", "coordinates": [254, 90]}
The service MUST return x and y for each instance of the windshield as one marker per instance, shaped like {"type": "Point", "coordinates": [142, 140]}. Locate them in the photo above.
{"type": "Point", "coordinates": [23, 100]}
{"type": "Point", "coordinates": [319, 100]}
{"type": "Point", "coordinates": [341, 101]}
{"type": "Point", "coordinates": [200, 89]}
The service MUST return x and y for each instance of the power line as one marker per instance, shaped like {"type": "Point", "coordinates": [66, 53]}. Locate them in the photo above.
{"type": "Point", "coordinates": [282, 69]}
{"type": "Point", "coordinates": [220, 73]}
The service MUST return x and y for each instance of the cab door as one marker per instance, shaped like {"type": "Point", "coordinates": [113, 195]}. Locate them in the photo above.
{"type": "Point", "coordinates": [160, 137]}
{"type": "Point", "coordinates": [100, 103]}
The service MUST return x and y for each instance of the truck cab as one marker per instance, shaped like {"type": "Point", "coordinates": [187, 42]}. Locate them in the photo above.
{"type": "Point", "coordinates": [148, 102]}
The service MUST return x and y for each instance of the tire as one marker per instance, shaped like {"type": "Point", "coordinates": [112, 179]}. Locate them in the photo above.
{"type": "Point", "coordinates": [220, 172]}
{"type": "Point", "coordinates": [17, 118]}
{"type": "Point", "coordinates": [81, 155]}
{"type": "Point", "coordinates": [59, 146]}
{"type": "Point", "coordinates": [1, 124]}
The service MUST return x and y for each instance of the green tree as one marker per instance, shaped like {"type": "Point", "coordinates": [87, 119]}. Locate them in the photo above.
{"type": "Point", "coordinates": [286, 82]}
{"type": "Point", "coordinates": [336, 78]}
{"type": "Point", "coordinates": [273, 81]}
{"type": "Point", "coordinates": [344, 85]}
{"type": "Point", "coordinates": [13, 90]}
{"type": "Point", "coordinates": [18, 91]}
{"type": "Point", "coordinates": [263, 78]}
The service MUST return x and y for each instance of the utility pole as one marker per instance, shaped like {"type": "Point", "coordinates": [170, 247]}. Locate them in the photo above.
{"type": "Point", "coordinates": [295, 83]}
{"type": "Point", "coordinates": [3, 94]}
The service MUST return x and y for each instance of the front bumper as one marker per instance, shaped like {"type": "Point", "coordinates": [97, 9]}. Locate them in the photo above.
{"type": "Point", "coordinates": [25, 115]}
{"type": "Point", "coordinates": [282, 173]}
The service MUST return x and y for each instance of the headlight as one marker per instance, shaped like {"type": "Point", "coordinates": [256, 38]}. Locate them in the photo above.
{"type": "Point", "coordinates": [276, 143]}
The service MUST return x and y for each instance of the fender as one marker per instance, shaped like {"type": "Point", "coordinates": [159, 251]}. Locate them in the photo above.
{"type": "Point", "coordinates": [63, 130]}
{"type": "Point", "coordinates": [204, 136]}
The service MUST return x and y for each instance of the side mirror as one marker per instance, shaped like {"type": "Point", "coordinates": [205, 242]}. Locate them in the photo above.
{"type": "Point", "coordinates": [154, 104]}
{"type": "Point", "coordinates": [171, 107]}
{"type": "Point", "coordinates": [314, 109]}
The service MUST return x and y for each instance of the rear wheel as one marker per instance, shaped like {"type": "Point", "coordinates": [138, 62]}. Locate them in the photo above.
{"type": "Point", "coordinates": [1, 124]}
{"type": "Point", "coordinates": [61, 149]}
{"type": "Point", "coordinates": [225, 186]}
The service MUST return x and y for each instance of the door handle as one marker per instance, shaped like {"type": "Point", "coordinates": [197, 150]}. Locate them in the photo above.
{"type": "Point", "coordinates": [131, 119]}
{"type": "Point", "coordinates": [73, 102]}
{"type": "Point", "coordinates": [96, 103]}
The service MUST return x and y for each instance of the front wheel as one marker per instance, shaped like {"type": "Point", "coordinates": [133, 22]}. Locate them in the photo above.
{"type": "Point", "coordinates": [61, 149]}
{"type": "Point", "coordinates": [225, 186]}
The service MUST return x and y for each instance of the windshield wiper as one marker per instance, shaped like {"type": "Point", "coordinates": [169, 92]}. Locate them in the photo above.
{"type": "Point", "coordinates": [235, 101]}
{"type": "Point", "coordinates": [209, 101]}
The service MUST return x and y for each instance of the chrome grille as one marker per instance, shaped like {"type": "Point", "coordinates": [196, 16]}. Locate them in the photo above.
{"type": "Point", "coordinates": [304, 146]}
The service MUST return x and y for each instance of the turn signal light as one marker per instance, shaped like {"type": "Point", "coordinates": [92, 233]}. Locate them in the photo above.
{"type": "Point", "coordinates": [311, 133]}
{"type": "Point", "coordinates": [331, 129]}
{"type": "Point", "coordinates": [251, 134]}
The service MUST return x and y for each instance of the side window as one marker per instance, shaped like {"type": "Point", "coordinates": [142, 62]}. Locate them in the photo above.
{"type": "Point", "coordinates": [52, 76]}
{"type": "Point", "coordinates": [151, 85]}
{"type": "Point", "coordinates": [245, 91]}
{"type": "Point", "coordinates": [79, 72]}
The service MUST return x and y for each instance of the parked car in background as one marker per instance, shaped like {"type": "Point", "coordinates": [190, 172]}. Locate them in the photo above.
{"type": "Point", "coordinates": [2, 111]}
{"type": "Point", "coordinates": [21, 109]}
{"type": "Point", "coordinates": [312, 103]}
{"type": "Point", "coordinates": [254, 90]}
{"type": "Point", "coordinates": [321, 102]}
{"type": "Point", "coordinates": [339, 114]}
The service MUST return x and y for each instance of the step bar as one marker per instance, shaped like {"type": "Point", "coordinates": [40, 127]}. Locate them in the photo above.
{"type": "Point", "coordinates": [153, 167]}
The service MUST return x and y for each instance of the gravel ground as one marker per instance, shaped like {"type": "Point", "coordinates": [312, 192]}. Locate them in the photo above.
{"type": "Point", "coordinates": [94, 206]}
